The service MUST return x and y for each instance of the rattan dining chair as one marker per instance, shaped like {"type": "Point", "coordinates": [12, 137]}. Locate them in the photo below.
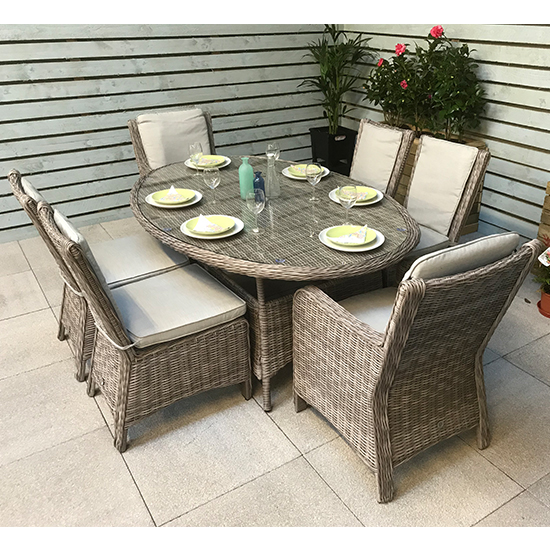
{"type": "Point", "coordinates": [161, 138]}
{"type": "Point", "coordinates": [158, 339]}
{"type": "Point", "coordinates": [400, 369]}
{"type": "Point", "coordinates": [445, 181]}
{"type": "Point", "coordinates": [380, 155]}
{"type": "Point", "coordinates": [121, 260]}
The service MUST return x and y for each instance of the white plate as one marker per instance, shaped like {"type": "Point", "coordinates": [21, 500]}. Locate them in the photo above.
{"type": "Point", "coordinates": [363, 248]}
{"type": "Point", "coordinates": [194, 200]}
{"type": "Point", "coordinates": [378, 198]}
{"type": "Point", "coordinates": [286, 173]}
{"type": "Point", "coordinates": [226, 162]}
{"type": "Point", "coordinates": [239, 224]}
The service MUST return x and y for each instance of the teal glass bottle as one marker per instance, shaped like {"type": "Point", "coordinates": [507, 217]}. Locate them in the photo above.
{"type": "Point", "coordinates": [246, 178]}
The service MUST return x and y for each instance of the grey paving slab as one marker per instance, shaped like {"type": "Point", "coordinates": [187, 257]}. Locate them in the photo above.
{"type": "Point", "coordinates": [20, 293]}
{"type": "Point", "coordinates": [447, 485]}
{"type": "Point", "coordinates": [541, 490]}
{"type": "Point", "coordinates": [519, 415]}
{"type": "Point", "coordinates": [201, 448]}
{"type": "Point", "coordinates": [122, 228]}
{"type": "Point", "coordinates": [291, 496]}
{"type": "Point", "coordinates": [534, 358]}
{"type": "Point", "coordinates": [82, 482]}
{"type": "Point", "coordinates": [37, 253]}
{"type": "Point", "coordinates": [43, 408]}
{"type": "Point", "coordinates": [30, 341]}
{"type": "Point", "coordinates": [94, 233]}
{"type": "Point", "coordinates": [12, 259]}
{"type": "Point", "coordinates": [51, 284]}
{"type": "Point", "coordinates": [522, 511]}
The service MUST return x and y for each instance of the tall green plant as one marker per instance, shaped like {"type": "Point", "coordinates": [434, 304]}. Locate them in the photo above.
{"type": "Point", "coordinates": [337, 57]}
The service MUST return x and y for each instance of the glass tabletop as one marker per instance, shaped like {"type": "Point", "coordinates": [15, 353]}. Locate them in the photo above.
{"type": "Point", "coordinates": [288, 245]}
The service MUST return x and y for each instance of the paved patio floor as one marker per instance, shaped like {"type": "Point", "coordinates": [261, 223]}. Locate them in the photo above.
{"type": "Point", "coordinates": [218, 460]}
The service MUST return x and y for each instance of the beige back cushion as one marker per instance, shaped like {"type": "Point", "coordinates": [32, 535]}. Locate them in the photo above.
{"type": "Point", "coordinates": [166, 136]}
{"type": "Point", "coordinates": [463, 257]}
{"type": "Point", "coordinates": [440, 175]}
{"type": "Point", "coordinates": [31, 191]}
{"type": "Point", "coordinates": [375, 155]}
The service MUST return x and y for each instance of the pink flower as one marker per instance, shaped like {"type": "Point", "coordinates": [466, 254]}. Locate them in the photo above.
{"type": "Point", "coordinates": [380, 61]}
{"type": "Point", "coordinates": [437, 31]}
{"type": "Point", "coordinates": [400, 49]}
{"type": "Point", "coordinates": [403, 84]}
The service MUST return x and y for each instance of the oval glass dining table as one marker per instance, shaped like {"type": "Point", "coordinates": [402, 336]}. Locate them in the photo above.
{"type": "Point", "coordinates": [266, 268]}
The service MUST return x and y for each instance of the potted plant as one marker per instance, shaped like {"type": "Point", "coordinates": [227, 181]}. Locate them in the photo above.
{"type": "Point", "coordinates": [337, 57]}
{"type": "Point", "coordinates": [542, 276]}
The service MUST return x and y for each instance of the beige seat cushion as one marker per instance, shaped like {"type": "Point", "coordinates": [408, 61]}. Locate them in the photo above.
{"type": "Point", "coordinates": [373, 308]}
{"type": "Point", "coordinates": [375, 155]}
{"type": "Point", "coordinates": [135, 257]}
{"type": "Point", "coordinates": [463, 257]}
{"type": "Point", "coordinates": [175, 304]}
{"type": "Point", "coordinates": [166, 136]}
{"type": "Point", "coordinates": [438, 181]}
{"type": "Point", "coordinates": [430, 241]}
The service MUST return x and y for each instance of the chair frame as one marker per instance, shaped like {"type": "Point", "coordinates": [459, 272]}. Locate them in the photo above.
{"type": "Point", "coordinates": [76, 324]}
{"type": "Point", "coordinates": [402, 154]}
{"type": "Point", "coordinates": [394, 394]}
{"type": "Point", "coordinates": [141, 157]}
{"type": "Point", "coordinates": [136, 382]}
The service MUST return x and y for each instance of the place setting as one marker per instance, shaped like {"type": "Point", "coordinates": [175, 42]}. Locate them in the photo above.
{"type": "Point", "coordinates": [199, 161]}
{"type": "Point", "coordinates": [365, 195]}
{"type": "Point", "coordinates": [300, 171]}
{"type": "Point", "coordinates": [349, 237]}
{"type": "Point", "coordinates": [173, 198]}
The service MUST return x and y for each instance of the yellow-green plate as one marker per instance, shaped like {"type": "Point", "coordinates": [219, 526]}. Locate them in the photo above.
{"type": "Point", "coordinates": [186, 195]}
{"type": "Point", "coordinates": [342, 230]}
{"type": "Point", "coordinates": [300, 170]}
{"type": "Point", "coordinates": [210, 161]}
{"type": "Point", "coordinates": [225, 222]}
{"type": "Point", "coordinates": [366, 193]}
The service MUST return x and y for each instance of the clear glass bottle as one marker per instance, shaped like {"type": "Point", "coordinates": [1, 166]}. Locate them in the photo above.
{"type": "Point", "coordinates": [272, 185]}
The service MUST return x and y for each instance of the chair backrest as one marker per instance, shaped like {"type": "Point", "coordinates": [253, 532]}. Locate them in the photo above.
{"type": "Point", "coordinates": [380, 155]}
{"type": "Point", "coordinates": [164, 137]}
{"type": "Point", "coordinates": [445, 180]}
{"type": "Point", "coordinates": [29, 198]}
{"type": "Point", "coordinates": [436, 336]}
{"type": "Point", "coordinates": [88, 278]}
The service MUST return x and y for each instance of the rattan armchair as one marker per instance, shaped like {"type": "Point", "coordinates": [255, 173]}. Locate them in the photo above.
{"type": "Point", "coordinates": [164, 137]}
{"type": "Point", "coordinates": [123, 260]}
{"type": "Point", "coordinates": [400, 369]}
{"type": "Point", "coordinates": [380, 155]}
{"type": "Point", "coordinates": [154, 342]}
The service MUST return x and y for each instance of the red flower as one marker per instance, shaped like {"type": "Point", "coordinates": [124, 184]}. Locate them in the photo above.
{"type": "Point", "coordinates": [380, 61]}
{"type": "Point", "coordinates": [400, 49]}
{"type": "Point", "coordinates": [437, 31]}
{"type": "Point", "coordinates": [403, 84]}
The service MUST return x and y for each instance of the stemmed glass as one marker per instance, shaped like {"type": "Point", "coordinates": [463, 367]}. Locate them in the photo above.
{"type": "Point", "coordinates": [195, 152]}
{"type": "Point", "coordinates": [347, 195]}
{"type": "Point", "coordinates": [255, 201]}
{"type": "Point", "coordinates": [211, 177]}
{"type": "Point", "coordinates": [313, 175]}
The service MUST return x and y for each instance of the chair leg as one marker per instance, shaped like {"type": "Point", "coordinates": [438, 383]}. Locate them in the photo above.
{"type": "Point", "coordinates": [266, 394]}
{"type": "Point", "coordinates": [121, 439]}
{"type": "Point", "coordinates": [384, 482]}
{"type": "Point", "coordinates": [483, 432]}
{"type": "Point", "coordinates": [246, 389]}
{"type": "Point", "coordinates": [61, 333]}
{"type": "Point", "coordinates": [299, 403]}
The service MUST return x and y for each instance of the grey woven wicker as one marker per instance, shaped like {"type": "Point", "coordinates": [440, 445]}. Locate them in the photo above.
{"type": "Point", "coordinates": [393, 394]}
{"type": "Point", "coordinates": [265, 269]}
{"type": "Point", "coordinates": [139, 381]}
{"type": "Point", "coordinates": [75, 321]}
{"type": "Point", "coordinates": [139, 151]}
{"type": "Point", "coordinates": [400, 158]}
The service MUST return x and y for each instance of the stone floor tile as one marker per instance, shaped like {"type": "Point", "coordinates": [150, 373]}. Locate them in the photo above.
{"type": "Point", "coordinates": [306, 429]}
{"type": "Point", "coordinates": [94, 234]}
{"type": "Point", "coordinates": [541, 490]}
{"type": "Point", "coordinates": [51, 284]}
{"type": "Point", "coordinates": [30, 341]}
{"type": "Point", "coordinates": [122, 228]}
{"type": "Point", "coordinates": [200, 448]}
{"type": "Point", "coordinates": [82, 483]}
{"type": "Point", "coordinates": [519, 416]}
{"type": "Point", "coordinates": [42, 408]}
{"type": "Point", "coordinates": [522, 511]}
{"type": "Point", "coordinates": [13, 259]}
{"type": "Point", "coordinates": [37, 253]}
{"type": "Point", "coordinates": [489, 355]}
{"type": "Point", "coordinates": [447, 485]}
{"type": "Point", "coordinates": [20, 293]}
{"type": "Point", "coordinates": [534, 358]}
{"type": "Point", "coordinates": [291, 496]}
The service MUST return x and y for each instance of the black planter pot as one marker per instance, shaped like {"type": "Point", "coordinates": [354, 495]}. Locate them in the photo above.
{"type": "Point", "coordinates": [333, 151]}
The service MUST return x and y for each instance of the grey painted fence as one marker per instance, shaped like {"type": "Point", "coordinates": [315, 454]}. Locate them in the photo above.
{"type": "Point", "coordinates": [67, 92]}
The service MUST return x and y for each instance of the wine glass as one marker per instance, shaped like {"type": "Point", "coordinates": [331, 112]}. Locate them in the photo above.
{"type": "Point", "coordinates": [195, 152]}
{"type": "Point", "coordinates": [255, 201]}
{"type": "Point", "coordinates": [347, 195]}
{"type": "Point", "coordinates": [273, 150]}
{"type": "Point", "coordinates": [211, 177]}
{"type": "Point", "coordinates": [313, 175]}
